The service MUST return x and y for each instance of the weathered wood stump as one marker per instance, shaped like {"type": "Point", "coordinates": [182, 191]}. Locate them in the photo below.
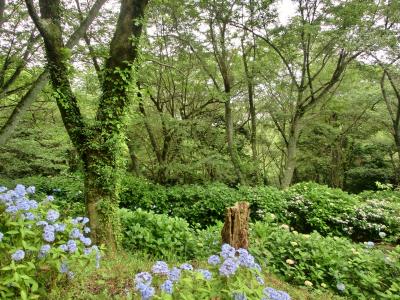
{"type": "Point", "coordinates": [236, 227]}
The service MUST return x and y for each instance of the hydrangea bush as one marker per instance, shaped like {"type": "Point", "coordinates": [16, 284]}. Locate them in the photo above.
{"type": "Point", "coordinates": [232, 274]}
{"type": "Point", "coordinates": [37, 246]}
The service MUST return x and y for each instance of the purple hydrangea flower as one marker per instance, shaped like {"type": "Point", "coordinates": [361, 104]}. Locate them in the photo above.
{"type": "Point", "coordinates": [48, 233]}
{"type": "Point", "coordinates": [260, 280]}
{"type": "Point", "coordinates": [64, 268]}
{"type": "Point", "coordinates": [214, 260]}
{"type": "Point", "coordinates": [44, 250]}
{"type": "Point", "coordinates": [160, 267]}
{"type": "Point", "coordinates": [12, 209]}
{"type": "Point", "coordinates": [59, 227]}
{"type": "Point", "coordinates": [239, 296]}
{"type": "Point", "coordinates": [187, 267]}
{"type": "Point", "coordinates": [72, 247]}
{"type": "Point", "coordinates": [52, 215]}
{"type": "Point", "coordinates": [18, 255]}
{"type": "Point", "coordinates": [167, 286]}
{"type": "Point", "coordinates": [85, 240]}
{"type": "Point", "coordinates": [228, 267]}
{"type": "Point", "coordinates": [63, 247]}
{"type": "Point", "coordinates": [29, 216]}
{"type": "Point", "coordinates": [227, 251]}
{"type": "Point", "coordinates": [30, 190]}
{"type": "Point", "coordinates": [143, 277]}
{"type": "Point", "coordinates": [206, 273]}
{"type": "Point", "coordinates": [75, 233]}
{"type": "Point", "coordinates": [146, 291]}
{"type": "Point", "coordinates": [174, 274]}
{"type": "Point", "coordinates": [275, 294]}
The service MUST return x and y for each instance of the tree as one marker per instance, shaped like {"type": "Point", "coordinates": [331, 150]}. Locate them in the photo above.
{"type": "Point", "coordinates": [99, 144]}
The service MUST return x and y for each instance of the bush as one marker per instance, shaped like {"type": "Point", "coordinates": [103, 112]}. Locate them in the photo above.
{"type": "Point", "coordinates": [37, 247]}
{"type": "Point", "coordinates": [233, 274]}
{"type": "Point", "coordinates": [155, 234]}
{"type": "Point", "coordinates": [355, 270]}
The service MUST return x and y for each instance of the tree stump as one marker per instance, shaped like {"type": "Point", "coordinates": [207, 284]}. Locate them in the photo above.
{"type": "Point", "coordinates": [236, 227]}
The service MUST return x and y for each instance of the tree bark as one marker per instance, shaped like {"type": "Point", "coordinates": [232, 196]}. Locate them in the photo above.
{"type": "Point", "coordinates": [236, 227]}
{"type": "Point", "coordinates": [26, 101]}
{"type": "Point", "coordinates": [99, 145]}
{"type": "Point", "coordinates": [290, 163]}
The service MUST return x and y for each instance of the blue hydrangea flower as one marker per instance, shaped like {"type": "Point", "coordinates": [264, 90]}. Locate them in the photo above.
{"type": "Point", "coordinates": [228, 267]}
{"type": "Point", "coordinates": [20, 190]}
{"type": "Point", "coordinates": [75, 233]}
{"type": "Point", "coordinates": [1, 236]}
{"type": "Point", "coordinates": [174, 274]}
{"type": "Point", "coordinates": [86, 230]}
{"type": "Point", "coordinates": [382, 234]}
{"type": "Point", "coordinates": [29, 216]}
{"type": "Point", "coordinates": [206, 274]}
{"type": "Point", "coordinates": [227, 251]}
{"type": "Point", "coordinates": [85, 220]}
{"type": "Point", "coordinates": [64, 268]}
{"type": "Point", "coordinates": [143, 277]}
{"type": "Point", "coordinates": [30, 190]}
{"type": "Point", "coordinates": [23, 204]}
{"type": "Point", "coordinates": [48, 233]}
{"type": "Point", "coordinates": [167, 287]}
{"type": "Point", "coordinates": [44, 250]}
{"type": "Point", "coordinates": [72, 247]}
{"type": "Point", "coordinates": [33, 204]}
{"type": "Point", "coordinates": [52, 215]}
{"type": "Point", "coordinates": [12, 209]}
{"type": "Point", "coordinates": [246, 259]}
{"type": "Point", "coordinates": [341, 287]}
{"type": "Point", "coordinates": [214, 260]}
{"type": "Point", "coordinates": [18, 255]}
{"type": "Point", "coordinates": [257, 267]}
{"type": "Point", "coordinates": [50, 198]}
{"type": "Point", "coordinates": [260, 280]}
{"type": "Point", "coordinates": [187, 267]}
{"type": "Point", "coordinates": [3, 189]}
{"type": "Point", "coordinates": [146, 291]}
{"type": "Point", "coordinates": [160, 267]}
{"type": "Point", "coordinates": [275, 294]}
{"type": "Point", "coordinates": [239, 296]}
{"type": "Point", "coordinates": [59, 227]}
{"type": "Point", "coordinates": [63, 247]}
{"type": "Point", "coordinates": [85, 240]}
{"type": "Point", "coordinates": [42, 223]}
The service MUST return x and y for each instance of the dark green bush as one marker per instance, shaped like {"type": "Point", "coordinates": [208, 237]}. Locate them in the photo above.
{"type": "Point", "coordinates": [367, 273]}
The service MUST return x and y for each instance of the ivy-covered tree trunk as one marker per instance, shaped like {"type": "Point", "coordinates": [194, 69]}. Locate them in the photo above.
{"type": "Point", "coordinates": [100, 144]}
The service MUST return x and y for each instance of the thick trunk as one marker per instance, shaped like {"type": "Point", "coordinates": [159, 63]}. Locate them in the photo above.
{"type": "Point", "coordinates": [102, 200]}
{"type": "Point", "coordinates": [291, 152]}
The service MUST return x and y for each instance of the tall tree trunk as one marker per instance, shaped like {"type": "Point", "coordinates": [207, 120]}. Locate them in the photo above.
{"type": "Point", "coordinates": [229, 137]}
{"type": "Point", "coordinates": [291, 152]}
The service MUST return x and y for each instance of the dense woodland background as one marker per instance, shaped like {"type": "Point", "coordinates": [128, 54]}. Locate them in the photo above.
{"type": "Point", "coordinates": [228, 92]}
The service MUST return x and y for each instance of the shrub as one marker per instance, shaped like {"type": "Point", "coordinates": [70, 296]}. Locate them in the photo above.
{"type": "Point", "coordinates": [355, 270]}
{"type": "Point", "coordinates": [37, 247]}
{"type": "Point", "coordinates": [155, 234]}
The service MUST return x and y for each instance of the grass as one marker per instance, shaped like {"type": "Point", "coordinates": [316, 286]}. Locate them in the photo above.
{"type": "Point", "coordinates": [114, 280]}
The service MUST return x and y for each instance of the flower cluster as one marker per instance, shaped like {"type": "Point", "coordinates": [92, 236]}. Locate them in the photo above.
{"type": "Point", "coordinates": [40, 233]}
{"type": "Point", "coordinates": [227, 264]}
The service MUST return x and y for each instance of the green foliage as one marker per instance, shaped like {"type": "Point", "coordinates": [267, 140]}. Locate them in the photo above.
{"type": "Point", "coordinates": [366, 273]}
{"type": "Point", "coordinates": [158, 235]}
{"type": "Point", "coordinates": [31, 256]}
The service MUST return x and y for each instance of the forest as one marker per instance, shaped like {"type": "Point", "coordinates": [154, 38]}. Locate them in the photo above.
{"type": "Point", "coordinates": [130, 128]}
